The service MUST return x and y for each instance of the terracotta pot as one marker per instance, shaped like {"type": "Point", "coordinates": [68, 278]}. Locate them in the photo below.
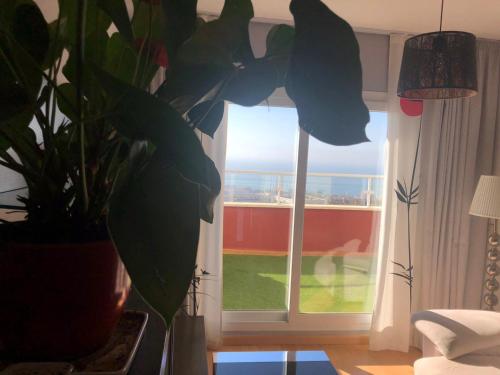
{"type": "Point", "coordinates": [59, 301]}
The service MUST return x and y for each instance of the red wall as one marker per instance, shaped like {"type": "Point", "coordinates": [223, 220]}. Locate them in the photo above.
{"type": "Point", "coordinates": [268, 228]}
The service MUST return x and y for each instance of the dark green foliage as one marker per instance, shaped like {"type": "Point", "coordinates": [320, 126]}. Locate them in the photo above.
{"type": "Point", "coordinates": [24, 41]}
{"type": "Point", "coordinates": [140, 116]}
{"type": "Point", "coordinates": [154, 220]}
{"type": "Point", "coordinates": [96, 19]}
{"type": "Point", "coordinates": [279, 41]}
{"type": "Point", "coordinates": [181, 22]}
{"type": "Point", "coordinates": [207, 116]}
{"type": "Point", "coordinates": [324, 79]}
{"type": "Point", "coordinates": [134, 159]}
{"type": "Point", "coordinates": [117, 11]}
{"type": "Point", "coordinates": [31, 31]}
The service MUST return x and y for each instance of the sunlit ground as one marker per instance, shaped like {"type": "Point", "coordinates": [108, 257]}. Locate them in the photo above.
{"type": "Point", "coordinates": [328, 283]}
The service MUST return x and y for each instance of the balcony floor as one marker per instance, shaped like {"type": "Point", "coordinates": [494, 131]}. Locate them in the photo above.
{"type": "Point", "coordinates": [328, 283]}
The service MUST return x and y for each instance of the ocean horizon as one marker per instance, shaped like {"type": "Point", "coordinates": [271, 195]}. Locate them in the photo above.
{"type": "Point", "coordinates": [245, 185]}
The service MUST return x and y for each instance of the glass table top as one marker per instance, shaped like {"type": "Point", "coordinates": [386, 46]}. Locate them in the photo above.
{"type": "Point", "coordinates": [273, 363]}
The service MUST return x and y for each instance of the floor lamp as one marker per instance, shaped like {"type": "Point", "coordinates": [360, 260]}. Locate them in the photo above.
{"type": "Point", "coordinates": [486, 203]}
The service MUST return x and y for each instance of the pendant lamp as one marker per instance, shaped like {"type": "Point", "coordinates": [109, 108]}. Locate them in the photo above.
{"type": "Point", "coordinates": [439, 65]}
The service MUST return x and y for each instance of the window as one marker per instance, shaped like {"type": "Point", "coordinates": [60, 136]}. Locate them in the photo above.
{"type": "Point", "coordinates": [258, 195]}
{"type": "Point", "coordinates": [341, 223]}
{"type": "Point", "coordinates": [301, 222]}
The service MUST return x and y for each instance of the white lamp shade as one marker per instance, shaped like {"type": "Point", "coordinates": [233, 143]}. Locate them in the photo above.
{"type": "Point", "coordinates": [486, 201]}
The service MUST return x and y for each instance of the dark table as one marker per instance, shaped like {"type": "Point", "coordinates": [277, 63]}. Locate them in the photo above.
{"type": "Point", "coordinates": [273, 363]}
{"type": "Point", "coordinates": [151, 356]}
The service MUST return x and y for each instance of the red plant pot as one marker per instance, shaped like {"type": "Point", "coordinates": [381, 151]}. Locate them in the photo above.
{"type": "Point", "coordinates": [59, 301]}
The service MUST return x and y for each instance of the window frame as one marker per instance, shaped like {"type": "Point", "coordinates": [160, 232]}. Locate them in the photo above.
{"type": "Point", "coordinates": [293, 321]}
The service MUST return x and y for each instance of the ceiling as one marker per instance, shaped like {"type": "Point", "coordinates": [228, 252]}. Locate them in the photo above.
{"type": "Point", "coordinates": [481, 17]}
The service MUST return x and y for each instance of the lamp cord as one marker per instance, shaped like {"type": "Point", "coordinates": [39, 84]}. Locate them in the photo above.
{"type": "Point", "coordinates": [441, 19]}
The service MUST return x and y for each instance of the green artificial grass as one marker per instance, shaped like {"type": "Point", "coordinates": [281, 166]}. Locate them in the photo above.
{"type": "Point", "coordinates": [259, 282]}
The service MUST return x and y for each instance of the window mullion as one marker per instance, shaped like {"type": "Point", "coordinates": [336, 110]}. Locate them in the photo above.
{"type": "Point", "coordinates": [297, 227]}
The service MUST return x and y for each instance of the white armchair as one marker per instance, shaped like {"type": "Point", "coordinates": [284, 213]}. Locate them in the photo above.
{"type": "Point", "coordinates": [458, 342]}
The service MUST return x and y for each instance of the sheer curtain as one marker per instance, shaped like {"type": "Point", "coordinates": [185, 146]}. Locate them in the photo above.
{"type": "Point", "coordinates": [460, 141]}
{"type": "Point", "coordinates": [391, 314]}
{"type": "Point", "coordinates": [210, 245]}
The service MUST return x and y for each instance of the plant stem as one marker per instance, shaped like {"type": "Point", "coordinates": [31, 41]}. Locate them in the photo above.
{"type": "Point", "coordinates": [82, 5]}
{"type": "Point", "coordinates": [54, 101]}
{"type": "Point", "coordinates": [410, 270]}
{"type": "Point", "coordinates": [408, 209]}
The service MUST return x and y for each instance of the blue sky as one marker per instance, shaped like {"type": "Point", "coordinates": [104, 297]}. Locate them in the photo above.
{"type": "Point", "coordinates": [265, 138]}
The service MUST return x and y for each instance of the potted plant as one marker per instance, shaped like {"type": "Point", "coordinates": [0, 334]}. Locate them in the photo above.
{"type": "Point", "coordinates": [102, 152]}
{"type": "Point", "coordinates": [62, 284]}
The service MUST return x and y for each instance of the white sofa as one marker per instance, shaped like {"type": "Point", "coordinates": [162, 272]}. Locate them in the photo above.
{"type": "Point", "coordinates": [458, 342]}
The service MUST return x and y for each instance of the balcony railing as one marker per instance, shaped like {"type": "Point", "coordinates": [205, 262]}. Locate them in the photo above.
{"type": "Point", "coordinates": [322, 189]}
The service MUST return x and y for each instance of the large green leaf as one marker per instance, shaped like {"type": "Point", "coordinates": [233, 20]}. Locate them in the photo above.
{"type": "Point", "coordinates": [13, 131]}
{"type": "Point", "coordinates": [30, 29]}
{"type": "Point", "coordinates": [154, 222]}
{"type": "Point", "coordinates": [96, 20]}
{"type": "Point", "coordinates": [324, 79]}
{"type": "Point", "coordinates": [117, 11]}
{"type": "Point", "coordinates": [208, 195]}
{"type": "Point", "coordinates": [123, 62]}
{"type": "Point", "coordinates": [253, 83]}
{"type": "Point", "coordinates": [222, 41]}
{"type": "Point", "coordinates": [279, 44]}
{"type": "Point", "coordinates": [94, 53]}
{"type": "Point", "coordinates": [237, 9]}
{"type": "Point", "coordinates": [121, 58]}
{"type": "Point", "coordinates": [67, 104]}
{"type": "Point", "coordinates": [279, 40]}
{"type": "Point", "coordinates": [139, 115]}
{"type": "Point", "coordinates": [148, 21]}
{"type": "Point", "coordinates": [200, 89]}
{"type": "Point", "coordinates": [56, 45]}
{"type": "Point", "coordinates": [194, 88]}
{"type": "Point", "coordinates": [4, 144]}
{"type": "Point", "coordinates": [207, 116]}
{"type": "Point", "coordinates": [237, 15]}
{"type": "Point", "coordinates": [180, 24]}
{"type": "Point", "coordinates": [24, 41]}
{"type": "Point", "coordinates": [190, 84]}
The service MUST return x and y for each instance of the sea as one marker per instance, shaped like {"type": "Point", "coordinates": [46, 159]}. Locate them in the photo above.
{"type": "Point", "coordinates": [241, 183]}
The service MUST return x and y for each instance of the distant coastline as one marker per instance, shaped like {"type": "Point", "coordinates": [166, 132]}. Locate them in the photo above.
{"type": "Point", "coordinates": [267, 166]}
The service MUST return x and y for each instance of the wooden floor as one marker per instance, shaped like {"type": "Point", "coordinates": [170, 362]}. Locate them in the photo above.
{"type": "Point", "coordinates": [349, 359]}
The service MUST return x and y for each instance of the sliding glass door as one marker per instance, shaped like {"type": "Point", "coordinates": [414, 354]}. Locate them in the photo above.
{"type": "Point", "coordinates": [343, 199]}
{"type": "Point", "coordinates": [259, 198]}
{"type": "Point", "coordinates": [301, 223]}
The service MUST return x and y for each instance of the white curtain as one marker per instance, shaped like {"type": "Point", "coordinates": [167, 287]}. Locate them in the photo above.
{"type": "Point", "coordinates": [210, 246]}
{"type": "Point", "coordinates": [391, 315]}
{"type": "Point", "coordinates": [460, 141]}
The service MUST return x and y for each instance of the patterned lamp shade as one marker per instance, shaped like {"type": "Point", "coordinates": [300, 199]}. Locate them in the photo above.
{"type": "Point", "coordinates": [486, 201]}
{"type": "Point", "coordinates": [439, 65]}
